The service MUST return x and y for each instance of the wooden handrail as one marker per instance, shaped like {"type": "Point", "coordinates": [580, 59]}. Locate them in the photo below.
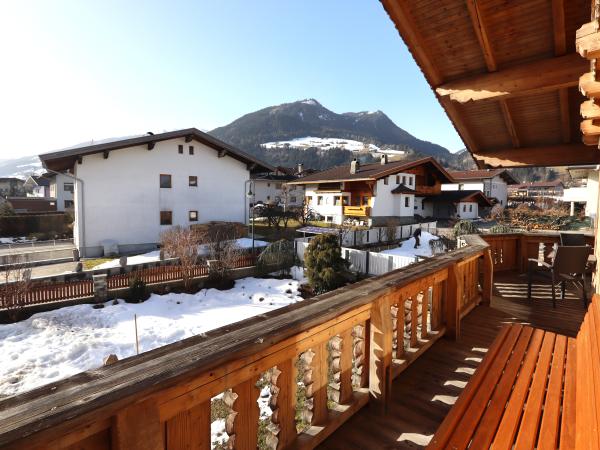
{"type": "Point", "coordinates": [350, 340]}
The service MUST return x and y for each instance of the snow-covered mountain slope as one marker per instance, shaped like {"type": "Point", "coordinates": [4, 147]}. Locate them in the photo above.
{"type": "Point", "coordinates": [21, 167]}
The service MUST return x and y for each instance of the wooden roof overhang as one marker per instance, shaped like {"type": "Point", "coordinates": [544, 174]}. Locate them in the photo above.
{"type": "Point", "coordinates": [507, 75]}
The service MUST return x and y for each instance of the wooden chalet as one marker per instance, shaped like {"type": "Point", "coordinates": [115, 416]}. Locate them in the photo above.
{"type": "Point", "coordinates": [447, 353]}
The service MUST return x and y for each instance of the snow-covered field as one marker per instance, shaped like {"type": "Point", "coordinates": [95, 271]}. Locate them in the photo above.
{"type": "Point", "coordinates": [53, 345]}
{"type": "Point", "coordinates": [408, 247]}
{"type": "Point", "coordinates": [322, 143]}
{"type": "Point", "coordinates": [243, 243]}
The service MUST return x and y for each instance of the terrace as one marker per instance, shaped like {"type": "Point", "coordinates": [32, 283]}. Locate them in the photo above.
{"type": "Point", "coordinates": [381, 362]}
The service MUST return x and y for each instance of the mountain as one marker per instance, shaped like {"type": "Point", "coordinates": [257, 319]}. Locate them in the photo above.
{"type": "Point", "coordinates": [305, 131]}
{"type": "Point", "coordinates": [21, 167]}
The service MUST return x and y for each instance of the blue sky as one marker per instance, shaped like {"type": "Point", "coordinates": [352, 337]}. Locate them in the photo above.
{"type": "Point", "coordinates": [80, 70]}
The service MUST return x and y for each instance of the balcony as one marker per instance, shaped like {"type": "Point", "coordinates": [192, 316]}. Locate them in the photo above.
{"type": "Point", "coordinates": [351, 334]}
{"type": "Point", "coordinates": [357, 211]}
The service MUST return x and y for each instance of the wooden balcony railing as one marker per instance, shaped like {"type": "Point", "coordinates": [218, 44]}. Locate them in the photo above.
{"type": "Point", "coordinates": [324, 358]}
{"type": "Point", "coordinates": [511, 251]}
{"type": "Point", "coordinates": [357, 211]}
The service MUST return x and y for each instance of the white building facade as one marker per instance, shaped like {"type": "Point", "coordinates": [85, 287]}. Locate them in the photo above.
{"type": "Point", "coordinates": [130, 194]}
{"type": "Point", "coordinates": [493, 183]}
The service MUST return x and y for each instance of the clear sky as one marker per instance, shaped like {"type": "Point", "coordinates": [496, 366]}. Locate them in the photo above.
{"type": "Point", "coordinates": [84, 69]}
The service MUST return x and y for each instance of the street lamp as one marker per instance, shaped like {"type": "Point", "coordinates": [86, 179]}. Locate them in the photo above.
{"type": "Point", "coordinates": [250, 189]}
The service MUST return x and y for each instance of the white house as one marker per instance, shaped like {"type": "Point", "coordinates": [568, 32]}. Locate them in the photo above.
{"type": "Point", "coordinates": [38, 186]}
{"type": "Point", "coordinates": [585, 193]}
{"type": "Point", "coordinates": [375, 194]}
{"type": "Point", "coordinates": [456, 204]}
{"type": "Point", "coordinates": [128, 191]}
{"type": "Point", "coordinates": [62, 189]}
{"type": "Point", "coordinates": [493, 183]}
{"type": "Point", "coordinates": [271, 188]}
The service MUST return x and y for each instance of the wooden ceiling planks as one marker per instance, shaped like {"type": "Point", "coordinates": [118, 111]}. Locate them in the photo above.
{"type": "Point", "coordinates": [516, 54]}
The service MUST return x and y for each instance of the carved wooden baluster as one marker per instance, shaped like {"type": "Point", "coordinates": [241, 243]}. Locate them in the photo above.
{"type": "Point", "coordinates": [346, 367]}
{"type": "Point", "coordinates": [425, 312]}
{"type": "Point", "coordinates": [400, 326]}
{"type": "Point", "coordinates": [358, 350]}
{"type": "Point", "coordinates": [282, 429]}
{"type": "Point", "coordinates": [394, 313]}
{"type": "Point", "coordinates": [229, 398]}
{"type": "Point", "coordinates": [307, 378]}
{"type": "Point", "coordinates": [414, 320]}
{"type": "Point", "coordinates": [335, 387]}
{"type": "Point", "coordinates": [320, 374]}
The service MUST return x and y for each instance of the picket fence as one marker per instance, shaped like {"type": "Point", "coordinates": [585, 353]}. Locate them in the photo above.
{"type": "Point", "coordinates": [365, 262]}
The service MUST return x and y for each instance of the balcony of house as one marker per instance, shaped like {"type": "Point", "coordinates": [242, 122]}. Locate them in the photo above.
{"type": "Point", "coordinates": [357, 211]}
{"type": "Point", "coordinates": [376, 364]}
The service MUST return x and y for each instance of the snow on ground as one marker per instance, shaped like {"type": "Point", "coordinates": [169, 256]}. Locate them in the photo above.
{"type": "Point", "coordinates": [243, 243]}
{"type": "Point", "coordinates": [53, 345]}
{"type": "Point", "coordinates": [13, 240]}
{"type": "Point", "coordinates": [322, 143]}
{"type": "Point", "coordinates": [407, 247]}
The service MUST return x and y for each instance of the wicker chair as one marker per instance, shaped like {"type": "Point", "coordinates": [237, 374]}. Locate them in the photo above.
{"type": "Point", "coordinates": [569, 265]}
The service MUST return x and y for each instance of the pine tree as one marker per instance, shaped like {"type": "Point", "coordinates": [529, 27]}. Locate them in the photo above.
{"type": "Point", "coordinates": [325, 268]}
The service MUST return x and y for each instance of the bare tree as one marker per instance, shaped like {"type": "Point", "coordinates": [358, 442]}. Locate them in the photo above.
{"type": "Point", "coordinates": [182, 243]}
{"type": "Point", "coordinates": [305, 213]}
{"type": "Point", "coordinates": [15, 282]}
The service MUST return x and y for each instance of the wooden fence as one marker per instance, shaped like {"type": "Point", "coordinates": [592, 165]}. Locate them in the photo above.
{"type": "Point", "coordinates": [323, 359]}
{"type": "Point", "coordinates": [48, 292]}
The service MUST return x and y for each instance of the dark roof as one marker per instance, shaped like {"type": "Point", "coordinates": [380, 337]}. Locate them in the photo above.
{"type": "Point", "coordinates": [373, 171]}
{"type": "Point", "coordinates": [65, 159]}
{"type": "Point", "coordinates": [554, 183]}
{"type": "Point", "coordinates": [482, 174]}
{"type": "Point", "coordinates": [403, 189]}
{"type": "Point", "coordinates": [461, 196]}
{"type": "Point", "coordinates": [41, 180]}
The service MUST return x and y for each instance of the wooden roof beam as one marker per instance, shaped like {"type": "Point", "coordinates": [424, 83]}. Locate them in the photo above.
{"type": "Point", "coordinates": [554, 155]}
{"type": "Point", "coordinates": [539, 76]}
{"type": "Point", "coordinates": [587, 40]}
{"type": "Point", "coordinates": [482, 36]}
{"type": "Point", "coordinates": [590, 110]}
{"type": "Point", "coordinates": [560, 48]}
{"type": "Point", "coordinates": [588, 86]}
{"type": "Point", "coordinates": [510, 124]}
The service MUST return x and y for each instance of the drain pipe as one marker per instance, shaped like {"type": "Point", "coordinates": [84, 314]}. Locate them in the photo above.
{"type": "Point", "coordinates": [82, 224]}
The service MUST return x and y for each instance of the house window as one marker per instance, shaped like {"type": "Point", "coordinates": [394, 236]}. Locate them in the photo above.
{"type": "Point", "coordinates": [470, 208]}
{"type": "Point", "coordinates": [69, 204]}
{"type": "Point", "coordinates": [277, 185]}
{"type": "Point", "coordinates": [365, 201]}
{"type": "Point", "coordinates": [397, 179]}
{"type": "Point", "coordinates": [404, 179]}
{"type": "Point", "coordinates": [166, 217]}
{"type": "Point", "coordinates": [292, 199]}
{"type": "Point", "coordinates": [406, 202]}
{"type": "Point", "coordinates": [461, 187]}
{"type": "Point", "coordinates": [268, 184]}
{"type": "Point", "coordinates": [180, 149]}
{"type": "Point", "coordinates": [410, 181]}
{"type": "Point", "coordinates": [193, 216]}
{"type": "Point", "coordinates": [319, 200]}
{"type": "Point", "coordinates": [193, 181]}
{"type": "Point", "coordinates": [165, 181]}
{"type": "Point", "coordinates": [268, 197]}
{"type": "Point", "coordinates": [386, 180]}
{"type": "Point", "coordinates": [191, 149]}
{"type": "Point", "coordinates": [464, 208]}
{"type": "Point", "coordinates": [308, 199]}
{"type": "Point", "coordinates": [336, 201]}
{"type": "Point", "coordinates": [68, 187]}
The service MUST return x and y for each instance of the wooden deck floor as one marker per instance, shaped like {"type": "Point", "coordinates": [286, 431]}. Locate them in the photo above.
{"type": "Point", "coordinates": [424, 393]}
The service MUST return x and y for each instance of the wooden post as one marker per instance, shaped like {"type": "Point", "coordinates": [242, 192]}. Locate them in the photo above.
{"type": "Point", "coordinates": [346, 367]}
{"type": "Point", "coordinates": [380, 357]}
{"type": "Point", "coordinates": [320, 374]}
{"type": "Point", "coordinates": [138, 427]}
{"type": "Point", "coordinates": [454, 292]}
{"type": "Point", "coordinates": [190, 430]}
{"type": "Point", "coordinates": [488, 277]}
{"type": "Point", "coordinates": [245, 425]}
